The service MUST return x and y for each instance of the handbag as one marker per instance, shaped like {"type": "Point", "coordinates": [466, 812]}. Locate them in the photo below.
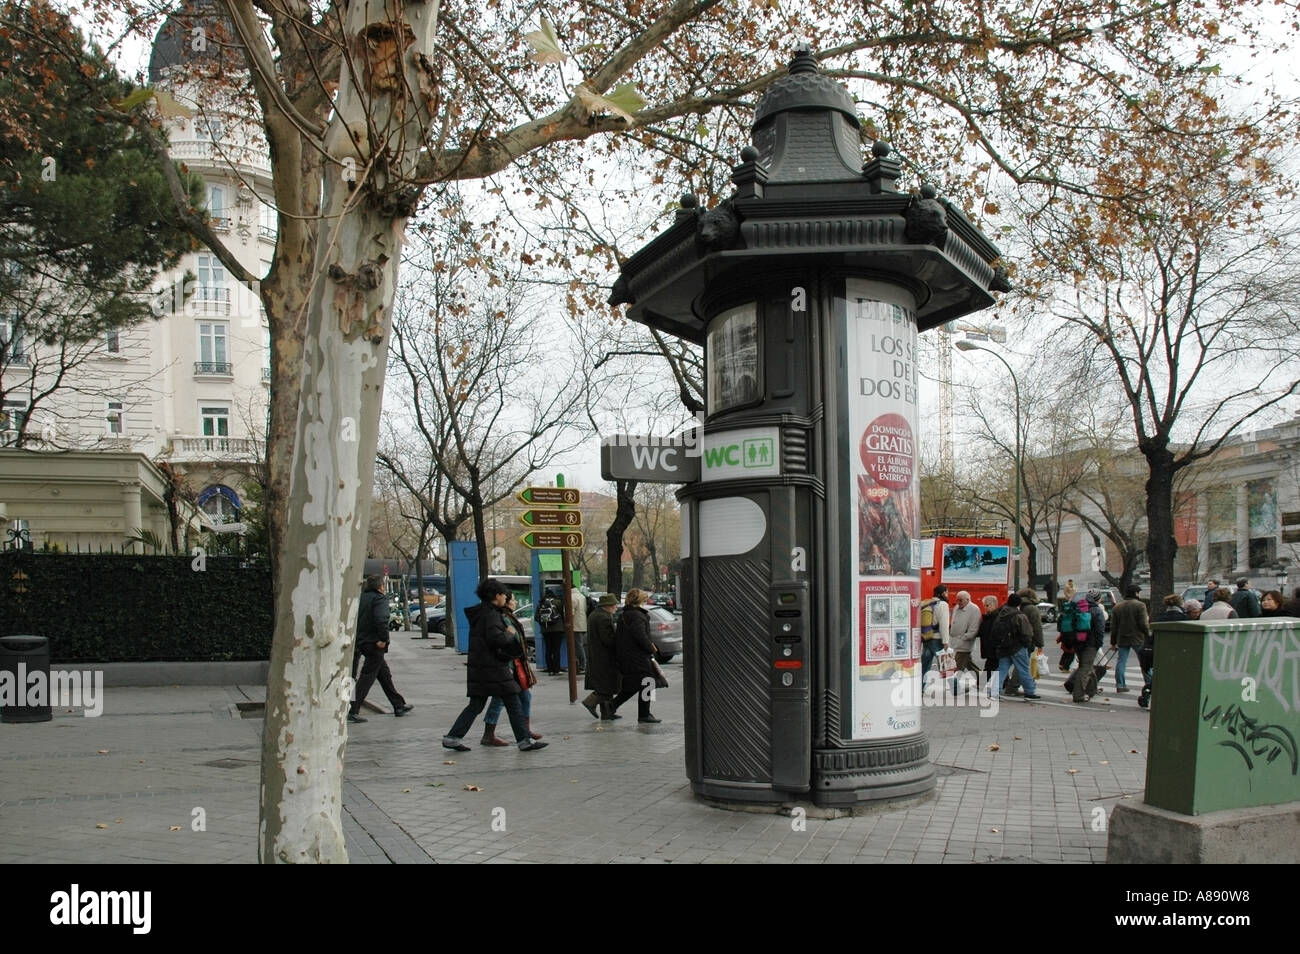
{"type": "Point", "coordinates": [661, 681]}
{"type": "Point", "coordinates": [524, 674]}
{"type": "Point", "coordinates": [947, 662]}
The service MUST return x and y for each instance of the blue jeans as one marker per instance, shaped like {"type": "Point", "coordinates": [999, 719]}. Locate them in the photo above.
{"type": "Point", "coordinates": [476, 704]}
{"type": "Point", "coordinates": [1120, 662]}
{"type": "Point", "coordinates": [1021, 660]}
{"type": "Point", "coordinates": [930, 648]}
{"type": "Point", "coordinates": [494, 709]}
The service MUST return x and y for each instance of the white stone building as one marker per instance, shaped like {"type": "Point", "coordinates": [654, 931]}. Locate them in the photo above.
{"type": "Point", "coordinates": [191, 388]}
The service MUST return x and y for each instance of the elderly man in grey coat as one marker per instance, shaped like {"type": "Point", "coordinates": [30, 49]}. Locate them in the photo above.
{"type": "Point", "coordinates": [963, 629]}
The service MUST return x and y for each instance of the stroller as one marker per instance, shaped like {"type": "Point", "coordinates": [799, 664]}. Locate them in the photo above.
{"type": "Point", "coordinates": [1094, 678]}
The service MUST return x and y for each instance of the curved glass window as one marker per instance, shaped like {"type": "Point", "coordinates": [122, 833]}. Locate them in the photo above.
{"type": "Point", "coordinates": [735, 367]}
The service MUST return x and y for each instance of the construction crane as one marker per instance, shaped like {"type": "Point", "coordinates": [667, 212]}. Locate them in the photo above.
{"type": "Point", "coordinates": [995, 333]}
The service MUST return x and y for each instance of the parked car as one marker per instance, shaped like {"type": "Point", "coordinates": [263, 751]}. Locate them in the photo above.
{"type": "Point", "coordinates": [437, 616]}
{"type": "Point", "coordinates": [663, 599]}
{"type": "Point", "coordinates": [1047, 611]}
{"type": "Point", "coordinates": [665, 633]}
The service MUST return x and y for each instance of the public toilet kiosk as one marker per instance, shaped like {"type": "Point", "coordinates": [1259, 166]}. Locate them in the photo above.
{"type": "Point", "coordinates": [800, 529]}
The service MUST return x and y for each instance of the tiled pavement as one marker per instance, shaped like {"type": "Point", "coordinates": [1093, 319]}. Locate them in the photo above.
{"type": "Point", "coordinates": [127, 786]}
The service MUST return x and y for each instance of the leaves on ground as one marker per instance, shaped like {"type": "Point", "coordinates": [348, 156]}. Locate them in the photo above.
{"type": "Point", "coordinates": [472, 788]}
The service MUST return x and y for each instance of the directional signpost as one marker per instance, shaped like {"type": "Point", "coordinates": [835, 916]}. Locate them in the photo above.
{"type": "Point", "coordinates": [566, 496]}
{"type": "Point", "coordinates": [551, 518]}
{"type": "Point", "coordinates": [552, 540]}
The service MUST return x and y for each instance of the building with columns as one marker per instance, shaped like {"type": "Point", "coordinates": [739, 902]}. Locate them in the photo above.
{"type": "Point", "coordinates": [1237, 513]}
{"type": "Point", "coordinates": [190, 390]}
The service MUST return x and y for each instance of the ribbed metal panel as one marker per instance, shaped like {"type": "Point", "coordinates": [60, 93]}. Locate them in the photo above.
{"type": "Point", "coordinates": [734, 670]}
{"type": "Point", "coordinates": [794, 450]}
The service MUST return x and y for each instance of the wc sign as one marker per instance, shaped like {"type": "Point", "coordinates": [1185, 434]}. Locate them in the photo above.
{"type": "Point", "coordinates": [649, 459]}
{"type": "Point", "coordinates": [745, 452]}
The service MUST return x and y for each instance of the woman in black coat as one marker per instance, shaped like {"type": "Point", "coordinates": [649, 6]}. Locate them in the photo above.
{"type": "Point", "coordinates": [633, 649]}
{"type": "Point", "coordinates": [492, 651]}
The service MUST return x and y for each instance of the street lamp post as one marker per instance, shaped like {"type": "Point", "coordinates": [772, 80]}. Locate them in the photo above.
{"type": "Point", "coordinates": [966, 345]}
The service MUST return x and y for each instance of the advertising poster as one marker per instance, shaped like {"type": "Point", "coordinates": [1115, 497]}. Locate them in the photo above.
{"type": "Point", "coordinates": [882, 403]}
{"type": "Point", "coordinates": [969, 563]}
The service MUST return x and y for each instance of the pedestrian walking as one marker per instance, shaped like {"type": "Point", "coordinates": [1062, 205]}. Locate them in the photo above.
{"type": "Point", "coordinates": [578, 601]}
{"type": "Point", "coordinates": [526, 678]}
{"type": "Point", "coordinates": [1221, 608]}
{"type": "Point", "coordinates": [1083, 685]}
{"type": "Point", "coordinates": [1244, 601]}
{"type": "Point", "coordinates": [1012, 635]}
{"type": "Point", "coordinates": [490, 671]}
{"type": "Point", "coordinates": [964, 629]}
{"type": "Point", "coordinates": [934, 627]}
{"type": "Point", "coordinates": [634, 650]}
{"type": "Point", "coordinates": [1270, 604]}
{"type": "Point", "coordinates": [1130, 627]}
{"type": "Point", "coordinates": [988, 650]}
{"type": "Point", "coordinates": [602, 661]}
{"type": "Point", "coordinates": [372, 646]}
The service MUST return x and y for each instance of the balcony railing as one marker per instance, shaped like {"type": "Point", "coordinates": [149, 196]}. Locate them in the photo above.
{"type": "Point", "coordinates": [221, 223]}
{"type": "Point", "coordinates": [268, 232]}
{"type": "Point", "coordinates": [209, 446]}
{"type": "Point", "coordinates": [14, 359]}
{"type": "Point", "coordinates": [214, 367]}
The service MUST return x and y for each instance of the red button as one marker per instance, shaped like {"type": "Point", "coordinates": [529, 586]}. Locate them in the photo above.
{"type": "Point", "coordinates": [789, 664]}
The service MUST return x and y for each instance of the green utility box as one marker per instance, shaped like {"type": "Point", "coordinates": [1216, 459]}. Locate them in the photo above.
{"type": "Point", "coordinates": [1225, 715]}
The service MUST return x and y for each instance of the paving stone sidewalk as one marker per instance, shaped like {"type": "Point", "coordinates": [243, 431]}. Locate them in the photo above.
{"type": "Point", "coordinates": [128, 786]}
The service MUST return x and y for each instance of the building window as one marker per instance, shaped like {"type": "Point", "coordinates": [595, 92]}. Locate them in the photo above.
{"type": "Point", "coordinates": [216, 420]}
{"type": "Point", "coordinates": [220, 503]}
{"type": "Point", "coordinates": [115, 419]}
{"type": "Point", "coordinates": [217, 212]}
{"type": "Point", "coordinates": [113, 342]}
{"type": "Point", "coordinates": [267, 222]}
{"type": "Point", "coordinates": [212, 127]}
{"type": "Point", "coordinates": [212, 284]}
{"type": "Point", "coordinates": [214, 351]}
{"type": "Point", "coordinates": [12, 418]}
{"type": "Point", "coordinates": [12, 349]}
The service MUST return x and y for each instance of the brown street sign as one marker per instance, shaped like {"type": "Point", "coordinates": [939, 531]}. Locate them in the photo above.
{"type": "Point", "coordinates": [551, 518]}
{"type": "Point", "coordinates": [552, 540]}
{"type": "Point", "coordinates": [567, 496]}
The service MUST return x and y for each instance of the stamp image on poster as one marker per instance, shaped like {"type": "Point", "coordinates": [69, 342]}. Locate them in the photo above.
{"type": "Point", "coordinates": [879, 648]}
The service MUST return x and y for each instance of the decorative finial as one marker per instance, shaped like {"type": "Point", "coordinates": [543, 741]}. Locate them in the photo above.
{"type": "Point", "coordinates": [689, 201]}
{"type": "Point", "coordinates": [804, 61]}
{"type": "Point", "coordinates": [880, 149]}
{"type": "Point", "coordinates": [748, 154]}
{"type": "Point", "coordinates": [928, 191]}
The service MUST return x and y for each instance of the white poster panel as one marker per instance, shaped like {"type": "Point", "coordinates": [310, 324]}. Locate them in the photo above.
{"type": "Point", "coordinates": [884, 487]}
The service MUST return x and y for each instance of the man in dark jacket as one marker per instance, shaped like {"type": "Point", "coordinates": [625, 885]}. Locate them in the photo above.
{"type": "Point", "coordinates": [1130, 627]}
{"type": "Point", "coordinates": [1012, 635]}
{"type": "Point", "coordinates": [490, 669]}
{"type": "Point", "coordinates": [633, 649]}
{"type": "Point", "coordinates": [1244, 601]}
{"type": "Point", "coordinates": [602, 661]}
{"type": "Point", "coordinates": [372, 644]}
{"type": "Point", "coordinates": [1028, 606]}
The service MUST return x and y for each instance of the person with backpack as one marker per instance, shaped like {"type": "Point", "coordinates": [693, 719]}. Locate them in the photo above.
{"type": "Point", "coordinates": [1084, 684]}
{"type": "Point", "coordinates": [934, 627]}
{"type": "Point", "coordinates": [1070, 621]}
{"type": "Point", "coordinates": [1012, 636]}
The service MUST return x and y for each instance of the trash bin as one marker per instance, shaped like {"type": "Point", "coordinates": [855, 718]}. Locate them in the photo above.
{"type": "Point", "coordinates": [20, 656]}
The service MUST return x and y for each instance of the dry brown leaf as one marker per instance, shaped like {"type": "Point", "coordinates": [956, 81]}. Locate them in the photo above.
{"type": "Point", "coordinates": [1074, 753]}
{"type": "Point", "coordinates": [101, 825]}
{"type": "Point", "coordinates": [118, 821]}
{"type": "Point", "coordinates": [406, 791]}
{"type": "Point", "coordinates": [995, 747]}
{"type": "Point", "coordinates": [472, 788]}
{"type": "Point", "coordinates": [102, 751]}
{"type": "Point", "coordinates": [1071, 771]}
{"type": "Point", "coordinates": [1132, 751]}
{"type": "Point", "coordinates": [449, 762]}
{"type": "Point", "coordinates": [174, 828]}
{"type": "Point", "coordinates": [994, 830]}
{"type": "Point", "coordinates": [1105, 762]}
{"type": "Point", "coordinates": [1015, 738]}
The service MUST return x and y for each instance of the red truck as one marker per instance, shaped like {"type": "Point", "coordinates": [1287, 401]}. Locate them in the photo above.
{"type": "Point", "coordinates": [979, 565]}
